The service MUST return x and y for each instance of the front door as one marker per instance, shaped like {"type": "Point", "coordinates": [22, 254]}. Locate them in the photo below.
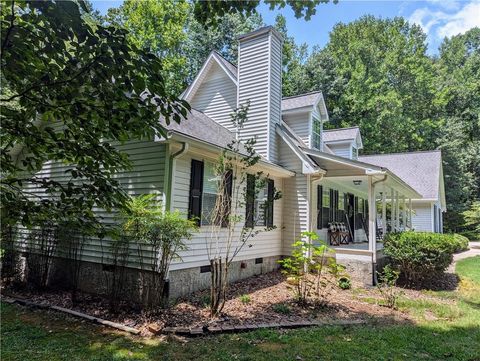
{"type": "Point", "coordinates": [350, 215]}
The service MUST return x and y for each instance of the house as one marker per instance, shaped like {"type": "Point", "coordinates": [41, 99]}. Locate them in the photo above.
{"type": "Point", "coordinates": [319, 172]}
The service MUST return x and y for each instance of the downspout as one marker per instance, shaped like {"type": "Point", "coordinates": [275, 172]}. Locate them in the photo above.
{"type": "Point", "coordinates": [374, 255]}
{"type": "Point", "coordinates": [171, 166]}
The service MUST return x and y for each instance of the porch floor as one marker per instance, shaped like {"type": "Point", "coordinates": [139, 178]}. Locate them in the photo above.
{"type": "Point", "coordinates": [358, 246]}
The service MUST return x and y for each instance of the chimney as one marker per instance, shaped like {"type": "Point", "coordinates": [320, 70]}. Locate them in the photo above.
{"type": "Point", "coordinates": [260, 82]}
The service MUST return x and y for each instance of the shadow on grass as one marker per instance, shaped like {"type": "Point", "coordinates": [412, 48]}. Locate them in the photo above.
{"type": "Point", "coordinates": [40, 335]}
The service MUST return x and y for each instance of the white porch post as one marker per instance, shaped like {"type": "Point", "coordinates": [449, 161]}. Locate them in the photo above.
{"type": "Point", "coordinates": [392, 211]}
{"type": "Point", "coordinates": [410, 213]}
{"type": "Point", "coordinates": [404, 213]}
{"type": "Point", "coordinates": [397, 211]}
{"type": "Point", "coordinates": [372, 246]}
{"type": "Point", "coordinates": [384, 213]}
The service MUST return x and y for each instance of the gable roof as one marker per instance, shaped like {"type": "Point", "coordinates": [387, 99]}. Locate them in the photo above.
{"type": "Point", "coordinates": [421, 170]}
{"type": "Point", "coordinates": [301, 101]}
{"type": "Point", "coordinates": [232, 68]}
{"type": "Point", "coordinates": [332, 135]}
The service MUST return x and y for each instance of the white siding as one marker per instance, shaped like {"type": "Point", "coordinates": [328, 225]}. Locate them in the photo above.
{"type": "Point", "coordinates": [259, 81]}
{"type": "Point", "coordinates": [264, 244]}
{"type": "Point", "coordinates": [300, 124]}
{"type": "Point", "coordinates": [422, 217]}
{"type": "Point", "coordinates": [147, 175]}
{"type": "Point", "coordinates": [217, 97]}
{"type": "Point", "coordinates": [342, 150]}
{"type": "Point", "coordinates": [295, 198]}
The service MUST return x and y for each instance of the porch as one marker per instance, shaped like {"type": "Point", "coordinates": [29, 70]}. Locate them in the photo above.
{"type": "Point", "coordinates": [356, 205]}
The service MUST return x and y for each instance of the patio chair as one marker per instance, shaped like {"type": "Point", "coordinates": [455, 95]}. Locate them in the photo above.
{"type": "Point", "coordinates": [338, 233]}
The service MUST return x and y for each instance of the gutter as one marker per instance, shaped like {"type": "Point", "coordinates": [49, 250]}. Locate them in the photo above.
{"type": "Point", "coordinates": [171, 167]}
{"type": "Point", "coordinates": [374, 254]}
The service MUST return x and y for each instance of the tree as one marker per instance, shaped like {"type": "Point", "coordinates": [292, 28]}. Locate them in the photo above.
{"type": "Point", "coordinates": [458, 85]}
{"type": "Point", "coordinates": [71, 88]}
{"type": "Point", "coordinates": [237, 183]}
{"type": "Point", "coordinates": [158, 26]}
{"type": "Point", "coordinates": [210, 13]}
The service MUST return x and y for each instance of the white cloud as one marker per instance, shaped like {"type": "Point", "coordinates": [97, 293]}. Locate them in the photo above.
{"type": "Point", "coordinates": [446, 4]}
{"type": "Point", "coordinates": [441, 23]}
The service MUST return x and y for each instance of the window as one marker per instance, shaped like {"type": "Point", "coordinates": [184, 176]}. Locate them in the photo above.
{"type": "Point", "coordinates": [316, 133]}
{"type": "Point", "coordinates": [204, 193]}
{"type": "Point", "coordinates": [259, 205]}
{"type": "Point", "coordinates": [354, 153]}
{"type": "Point", "coordinates": [210, 194]}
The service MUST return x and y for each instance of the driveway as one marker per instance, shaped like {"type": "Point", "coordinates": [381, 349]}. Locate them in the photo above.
{"type": "Point", "coordinates": [472, 252]}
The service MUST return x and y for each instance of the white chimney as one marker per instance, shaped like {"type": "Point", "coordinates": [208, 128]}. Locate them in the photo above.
{"type": "Point", "coordinates": [260, 82]}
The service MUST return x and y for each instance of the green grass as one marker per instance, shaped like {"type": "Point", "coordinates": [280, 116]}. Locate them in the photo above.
{"type": "Point", "coordinates": [454, 334]}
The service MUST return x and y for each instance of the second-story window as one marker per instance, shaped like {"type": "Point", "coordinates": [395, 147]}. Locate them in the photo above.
{"type": "Point", "coordinates": [316, 133]}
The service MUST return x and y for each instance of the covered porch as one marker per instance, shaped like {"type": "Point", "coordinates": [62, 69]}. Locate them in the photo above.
{"type": "Point", "coordinates": [356, 204]}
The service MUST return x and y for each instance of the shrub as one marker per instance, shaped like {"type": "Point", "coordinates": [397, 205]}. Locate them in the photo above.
{"type": "Point", "coordinates": [460, 242]}
{"type": "Point", "coordinates": [471, 235]}
{"type": "Point", "coordinates": [281, 308]}
{"type": "Point", "coordinates": [387, 280]}
{"type": "Point", "coordinates": [307, 268]}
{"type": "Point", "coordinates": [419, 255]}
{"type": "Point", "coordinates": [344, 283]}
{"type": "Point", "coordinates": [245, 299]}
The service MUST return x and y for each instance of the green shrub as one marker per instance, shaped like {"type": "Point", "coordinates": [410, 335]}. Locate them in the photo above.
{"type": "Point", "coordinates": [344, 283]}
{"type": "Point", "coordinates": [471, 235]}
{"type": "Point", "coordinates": [420, 255]}
{"type": "Point", "coordinates": [245, 299]}
{"type": "Point", "coordinates": [387, 281]}
{"type": "Point", "coordinates": [461, 242]}
{"type": "Point", "coordinates": [281, 308]}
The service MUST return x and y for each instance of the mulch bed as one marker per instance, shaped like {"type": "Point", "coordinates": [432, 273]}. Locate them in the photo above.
{"type": "Point", "coordinates": [271, 301]}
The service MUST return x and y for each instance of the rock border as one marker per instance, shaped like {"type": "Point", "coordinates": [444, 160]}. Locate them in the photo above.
{"type": "Point", "coordinates": [93, 319]}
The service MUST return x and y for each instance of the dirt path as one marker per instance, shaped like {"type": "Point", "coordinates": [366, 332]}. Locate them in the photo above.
{"type": "Point", "coordinates": [472, 252]}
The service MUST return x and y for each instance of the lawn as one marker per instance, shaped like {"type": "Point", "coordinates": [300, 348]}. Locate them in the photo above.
{"type": "Point", "coordinates": [447, 327]}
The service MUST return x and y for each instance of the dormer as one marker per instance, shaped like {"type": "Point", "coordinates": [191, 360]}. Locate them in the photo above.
{"type": "Point", "coordinates": [344, 142]}
{"type": "Point", "coordinates": [305, 115]}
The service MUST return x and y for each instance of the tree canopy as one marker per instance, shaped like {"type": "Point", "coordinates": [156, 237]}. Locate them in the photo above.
{"type": "Point", "coordinates": [70, 88]}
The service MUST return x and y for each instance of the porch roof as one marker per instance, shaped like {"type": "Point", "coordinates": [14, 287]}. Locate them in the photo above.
{"type": "Point", "coordinates": [336, 166]}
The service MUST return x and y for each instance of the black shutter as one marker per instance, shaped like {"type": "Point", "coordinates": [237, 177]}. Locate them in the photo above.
{"type": "Point", "coordinates": [331, 213]}
{"type": "Point", "coordinates": [269, 207]}
{"type": "Point", "coordinates": [196, 188]}
{"type": "Point", "coordinates": [319, 206]}
{"type": "Point", "coordinates": [228, 178]}
{"type": "Point", "coordinates": [250, 201]}
{"type": "Point", "coordinates": [355, 212]}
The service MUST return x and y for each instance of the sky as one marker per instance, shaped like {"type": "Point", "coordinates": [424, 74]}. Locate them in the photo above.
{"type": "Point", "coordinates": [438, 18]}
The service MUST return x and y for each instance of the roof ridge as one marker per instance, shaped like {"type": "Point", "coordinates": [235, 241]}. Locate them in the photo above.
{"type": "Point", "coordinates": [402, 153]}
{"type": "Point", "coordinates": [221, 56]}
{"type": "Point", "coordinates": [301, 95]}
{"type": "Point", "coordinates": [337, 129]}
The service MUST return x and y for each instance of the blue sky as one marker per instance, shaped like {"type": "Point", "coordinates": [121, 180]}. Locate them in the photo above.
{"type": "Point", "coordinates": [438, 18]}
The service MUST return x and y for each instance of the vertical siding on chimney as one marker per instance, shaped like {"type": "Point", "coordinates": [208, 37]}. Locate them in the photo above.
{"type": "Point", "coordinates": [260, 83]}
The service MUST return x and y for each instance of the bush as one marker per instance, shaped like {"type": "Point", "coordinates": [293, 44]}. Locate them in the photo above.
{"type": "Point", "coordinates": [471, 235]}
{"type": "Point", "coordinates": [460, 242]}
{"type": "Point", "coordinates": [387, 280]}
{"type": "Point", "coordinates": [344, 283]}
{"type": "Point", "coordinates": [245, 299]}
{"type": "Point", "coordinates": [420, 255]}
{"type": "Point", "coordinates": [281, 308]}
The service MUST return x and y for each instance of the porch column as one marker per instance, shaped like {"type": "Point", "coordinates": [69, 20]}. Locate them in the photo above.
{"type": "Point", "coordinates": [404, 213]}
{"type": "Point", "coordinates": [384, 213]}
{"type": "Point", "coordinates": [410, 213]}
{"type": "Point", "coordinates": [397, 211]}
{"type": "Point", "coordinates": [372, 213]}
{"type": "Point", "coordinates": [393, 222]}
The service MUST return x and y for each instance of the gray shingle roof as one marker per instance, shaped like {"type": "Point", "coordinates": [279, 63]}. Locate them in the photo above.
{"type": "Point", "coordinates": [201, 127]}
{"type": "Point", "coordinates": [340, 134]}
{"type": "Point", "coordinates": [300, 101]}
{"type": "Point", "coordinates": [421, 170]}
